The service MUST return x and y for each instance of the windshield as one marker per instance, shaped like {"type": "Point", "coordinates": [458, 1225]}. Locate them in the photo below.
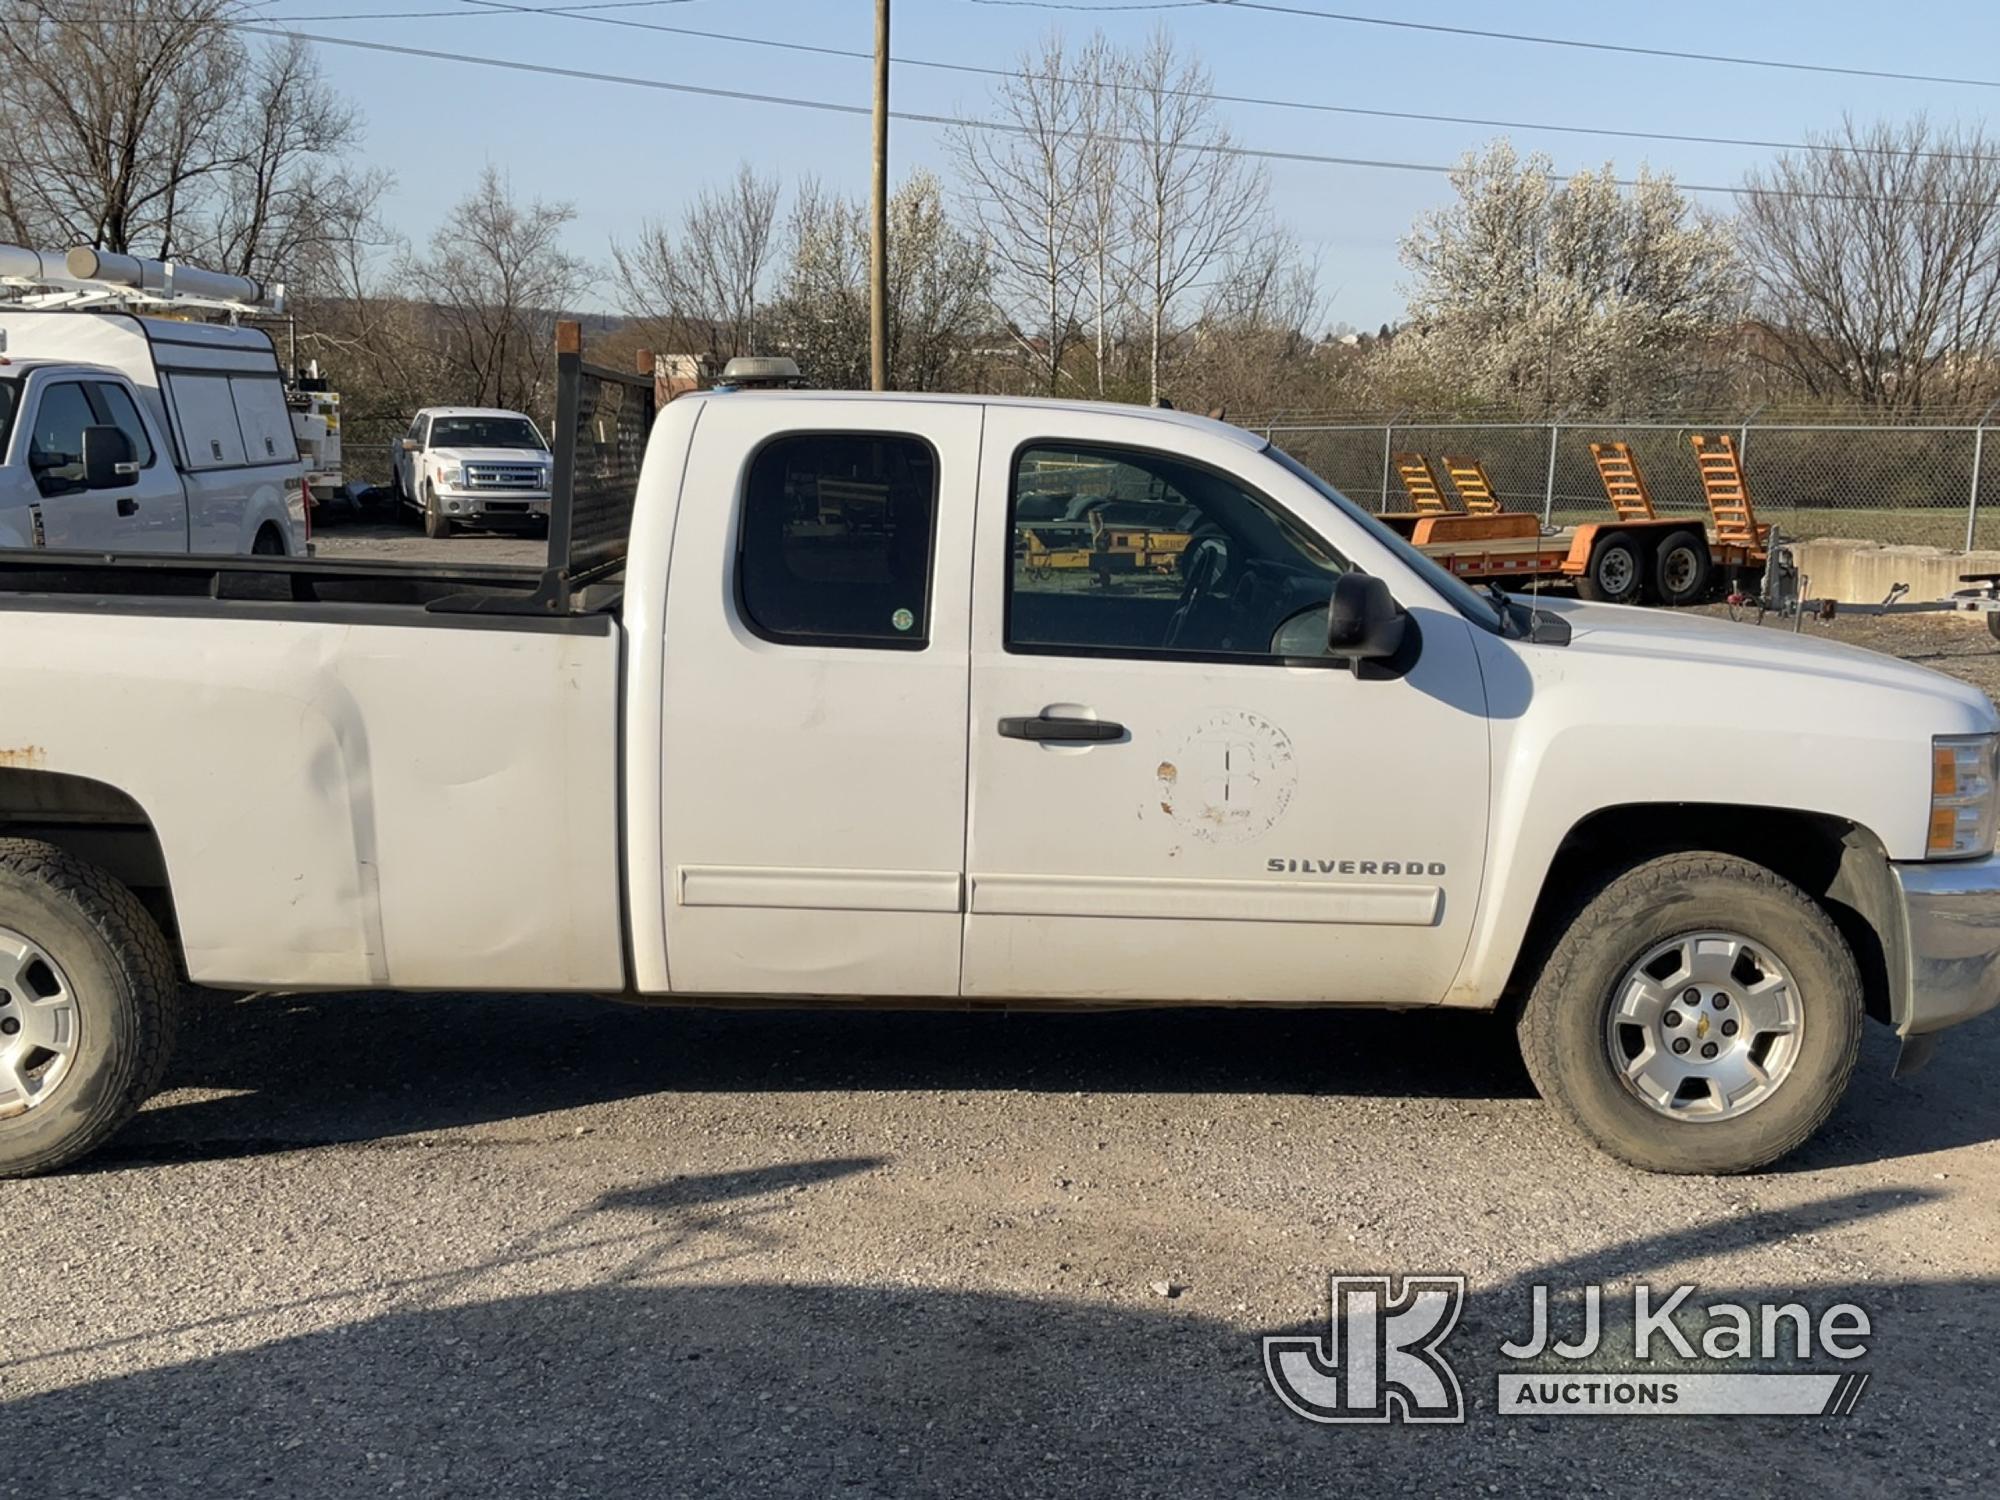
{"type": "Point", "coordinates": [485, 432]}
{"type": "Point", "coordinates": [10, 401]}
{"type": "Point", "coordinates": [1467, 601]}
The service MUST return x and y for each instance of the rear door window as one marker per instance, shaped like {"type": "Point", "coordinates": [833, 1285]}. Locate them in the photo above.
{"type": "Point", "coordinates": [835, 548]}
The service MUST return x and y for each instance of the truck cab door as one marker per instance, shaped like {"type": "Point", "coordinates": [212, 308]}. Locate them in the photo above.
{"type": "Point", "coordinates": [1175, 795]}
{"type": "Point", "coordinates": [146, 514]}
{"type": "Point", "coordinates": [815, 681]}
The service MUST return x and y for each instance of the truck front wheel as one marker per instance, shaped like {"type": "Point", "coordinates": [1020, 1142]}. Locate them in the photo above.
{"type": "Point", "coordinates": [1700, 1014]}
{"type": "Point", "coordinates": [436, 524]}
{"type": "Point", "coordinates": [87, 1007]}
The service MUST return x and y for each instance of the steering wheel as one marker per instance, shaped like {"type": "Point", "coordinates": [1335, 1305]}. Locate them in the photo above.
{"type": "Point", "coordinates": [1204, 562]}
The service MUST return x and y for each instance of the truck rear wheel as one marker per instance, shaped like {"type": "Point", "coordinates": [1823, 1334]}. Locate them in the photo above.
{"type": "Point", "coordinates": [1681, 568]}
{"type": "Point", "coordinates": [1616, 571]}
{"type": "Point", "coordinates": [1700, 1014]}
{"type": "Point", "coordinates": [87, 1007]}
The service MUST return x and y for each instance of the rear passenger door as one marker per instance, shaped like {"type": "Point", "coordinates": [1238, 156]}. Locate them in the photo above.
{"type": "Point", "coordinates": [813, 799]}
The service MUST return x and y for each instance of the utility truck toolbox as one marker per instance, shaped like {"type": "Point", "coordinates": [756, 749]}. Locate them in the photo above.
{"type": "Point", "coordinates": [793, 713]}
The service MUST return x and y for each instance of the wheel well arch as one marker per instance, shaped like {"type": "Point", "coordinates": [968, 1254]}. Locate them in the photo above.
{"type": "Point", "coordinates": [97, 823]}
{"type": "Point", "coordinates": [1839, 863]}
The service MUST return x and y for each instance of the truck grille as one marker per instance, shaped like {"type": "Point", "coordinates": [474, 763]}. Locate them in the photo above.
{"type": "Point", "coordinates": [503, 476]}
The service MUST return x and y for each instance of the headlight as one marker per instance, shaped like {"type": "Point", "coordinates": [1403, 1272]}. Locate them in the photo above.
{"type": "Point", "coordinates": [1965, 780]}
{"type": "Point", "coordinates": [452, 476]}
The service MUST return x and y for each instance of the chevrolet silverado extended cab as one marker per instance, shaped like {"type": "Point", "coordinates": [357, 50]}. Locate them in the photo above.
{"type": "Point", "coordinates": [984, 702]}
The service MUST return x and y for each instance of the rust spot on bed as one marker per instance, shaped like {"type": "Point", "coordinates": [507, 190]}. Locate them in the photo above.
{"type": "Point", "coordinates": [28, 757]}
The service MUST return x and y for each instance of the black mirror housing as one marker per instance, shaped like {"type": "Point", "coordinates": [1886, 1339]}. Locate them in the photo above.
{"type": "Point", "coordinates": [109, 459]}
{"type": "Point", "coordinates": [1363, 622]}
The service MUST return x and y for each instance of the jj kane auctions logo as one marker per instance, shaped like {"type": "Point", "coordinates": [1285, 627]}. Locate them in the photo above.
{"type": "Point", "coordinates": [1383, 1357]}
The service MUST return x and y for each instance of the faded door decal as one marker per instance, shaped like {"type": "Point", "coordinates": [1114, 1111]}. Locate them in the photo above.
{"type": "Point", "coordinates": [1230, 778]}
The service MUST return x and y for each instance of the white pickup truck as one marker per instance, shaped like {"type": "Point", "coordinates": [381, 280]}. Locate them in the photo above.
{"type": "Point", "coordinates": [877, 711]}
{"type": "Point", "coordinates": [121, 433]}
{"type": "Point", "coordinates": [472, 466]}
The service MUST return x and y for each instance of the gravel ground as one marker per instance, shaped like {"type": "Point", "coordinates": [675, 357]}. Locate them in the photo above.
{"type": "Point", "coordinates": [443, 1245]}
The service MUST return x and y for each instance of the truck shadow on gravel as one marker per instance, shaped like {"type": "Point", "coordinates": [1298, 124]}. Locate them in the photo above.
{"type": "Point", "coordinates": [629, 1387]}
{"type": "Point", "coordinates": [302, 1071]}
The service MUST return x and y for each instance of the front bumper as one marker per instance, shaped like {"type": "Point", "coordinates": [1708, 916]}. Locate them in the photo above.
{"type": "Point", "coordinates": [1951, 912]}
{"type": "Point", "coordinates": [492, 505]}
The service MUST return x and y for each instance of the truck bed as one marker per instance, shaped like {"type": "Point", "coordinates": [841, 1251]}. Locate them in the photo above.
{"type": "Point", "coordinates": [365, 789]}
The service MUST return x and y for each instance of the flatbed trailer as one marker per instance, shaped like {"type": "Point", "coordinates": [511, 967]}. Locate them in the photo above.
{"type": "Point", "coordinates": [1667, 560]}
{"type": "Point", "coordinates": [1637, 555]}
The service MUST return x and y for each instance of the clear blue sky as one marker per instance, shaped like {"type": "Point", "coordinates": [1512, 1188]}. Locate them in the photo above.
{"type": "Point", "coordinates": [622, 154]}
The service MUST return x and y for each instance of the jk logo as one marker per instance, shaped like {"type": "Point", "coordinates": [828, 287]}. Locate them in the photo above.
{"type": "Point", "coordinates": [1380, 1362]}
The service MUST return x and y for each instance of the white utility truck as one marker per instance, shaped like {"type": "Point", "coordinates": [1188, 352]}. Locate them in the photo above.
{"type": "Point", "coordinates": [473, 466]}
{"type": "Point", "coordinates": [128, 433]}
{"type": "Point", "coordinates": [823, 731]}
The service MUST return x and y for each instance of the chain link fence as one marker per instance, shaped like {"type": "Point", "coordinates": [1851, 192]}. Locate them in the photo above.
{"type": "Point", "coordinates": [1931, 485]}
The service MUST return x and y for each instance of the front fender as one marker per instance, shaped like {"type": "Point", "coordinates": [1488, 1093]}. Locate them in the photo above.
{"type": "Point", "coordinates": [1576, 736]}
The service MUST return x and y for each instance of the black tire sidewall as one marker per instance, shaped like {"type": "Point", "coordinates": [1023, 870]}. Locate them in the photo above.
{"type": "Point", "coordinates": [91, 1101]}
{"type": "Point", "coordinates": [1704, 568]}
{"type": "Point", "coordinates": [1613, 932]}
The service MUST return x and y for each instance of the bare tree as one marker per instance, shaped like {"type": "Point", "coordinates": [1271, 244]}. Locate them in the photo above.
{"type": "Point", "coordinates": [1876, 265]}
{"type": "Point", "coordinates": [1193, 200]}
{"type": "Point", "coordinates": [283, 200]}
{"type": "Point", "coordinates": [1028, 186]}
{"type": "Point", "coordinates": [119, 110]}
{"type": "Point", "coordinates": [701, 290]}
{"type": "Point", "coordinates": [498, 277]}
{"type": "Point", "coordinates": [1103, 223]}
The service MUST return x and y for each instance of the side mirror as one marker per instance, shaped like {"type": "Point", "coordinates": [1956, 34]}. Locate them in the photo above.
{"type": "Point", "coordinates": [1363, 622]}
{"type": "Point", "coordinates": [411, 445]}
{"type": "Point", "coordinates": [109, 459]}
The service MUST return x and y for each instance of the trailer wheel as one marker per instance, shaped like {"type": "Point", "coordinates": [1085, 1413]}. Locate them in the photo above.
{"type": "Point", "coordinates": [87, 1007]}
{"type": "Point", "coordinates": [436, 524]}
{"type": "Point", "coordinates": [1700, 1014]}
{"type": "Point", "coordinates": [1616, 572]}
{"type": "Point", "coordinates": [1993, 623]}
{"type": "Point", "coordinates": [1682, 568]}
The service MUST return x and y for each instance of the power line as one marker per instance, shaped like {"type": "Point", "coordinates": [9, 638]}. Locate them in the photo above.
{"type": "Point", "coordinates": [825, 106]}
{"type": "Point", "coordinates": [1786, 64]}
{"type": "Point", "coordinates": [578, 13]}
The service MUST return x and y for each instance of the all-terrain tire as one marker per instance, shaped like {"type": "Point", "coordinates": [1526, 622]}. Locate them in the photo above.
{"type": "Point", "coordinates": [1563, 1025]}
{"type": "Point", "coordinates": [125, 984]}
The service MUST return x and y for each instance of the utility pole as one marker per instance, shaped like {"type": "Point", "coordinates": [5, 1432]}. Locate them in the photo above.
{"type": "Point", "coordinates": [878, 235]}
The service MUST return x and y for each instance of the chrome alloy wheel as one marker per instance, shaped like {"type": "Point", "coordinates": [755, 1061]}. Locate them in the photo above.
{"type": "Point", "coordinates": [1704, 1026]}
{"type": "Point", "coordinates": [39, 1024]}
